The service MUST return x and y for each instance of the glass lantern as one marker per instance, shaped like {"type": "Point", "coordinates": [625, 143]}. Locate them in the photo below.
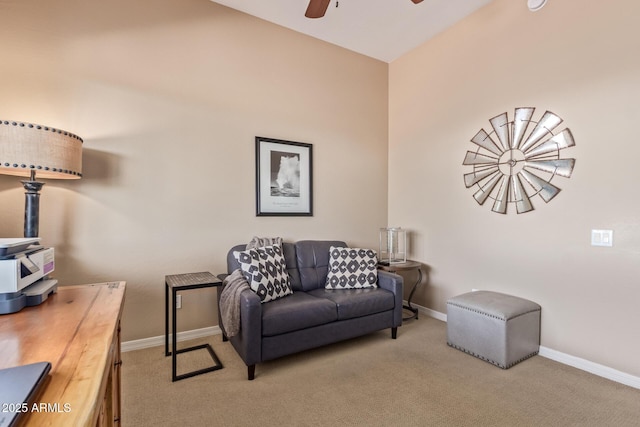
{"type": "Point", "coordinates": [393, 246]}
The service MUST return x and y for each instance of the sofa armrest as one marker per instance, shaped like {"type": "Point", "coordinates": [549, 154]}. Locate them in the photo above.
{"type": "Point", "coordinates": [248, 342]}
{"type": "Point", "coordinates": [394, 283]}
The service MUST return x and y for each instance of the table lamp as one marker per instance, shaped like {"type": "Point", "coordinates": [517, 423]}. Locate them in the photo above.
{"type": "Point", "coordinates": [28, 149]}
{"type": "Point", "coordinates": [393, 245]}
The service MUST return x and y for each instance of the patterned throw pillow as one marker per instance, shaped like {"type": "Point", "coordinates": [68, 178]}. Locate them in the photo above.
{"type": "Point", "coordinates": [352, 268]}
{"type": "Point", "coordinates": [265, 271]}
{"type": "Point", "coordinates": [258, 242]}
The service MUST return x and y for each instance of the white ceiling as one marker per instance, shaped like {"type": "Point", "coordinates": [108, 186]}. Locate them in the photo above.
{"type": "Point", "coordinates": [381, 29]}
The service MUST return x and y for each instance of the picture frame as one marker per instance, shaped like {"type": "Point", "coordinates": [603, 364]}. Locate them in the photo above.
{"type": "Point", "coordinates": [284, 178]}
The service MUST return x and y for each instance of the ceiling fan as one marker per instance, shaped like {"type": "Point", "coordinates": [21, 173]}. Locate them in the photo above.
{"type": "Point", "coordinates": [317, 8]}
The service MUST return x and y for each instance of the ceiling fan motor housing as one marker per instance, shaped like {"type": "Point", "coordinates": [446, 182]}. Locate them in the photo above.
{"type": "Point", "coordinates": [317, 8]}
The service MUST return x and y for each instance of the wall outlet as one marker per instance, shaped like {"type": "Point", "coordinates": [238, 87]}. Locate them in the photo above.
{"type": "Point", "coordinates": [178, 301]}
{"type": "Point", "coordinates": [602, 238]}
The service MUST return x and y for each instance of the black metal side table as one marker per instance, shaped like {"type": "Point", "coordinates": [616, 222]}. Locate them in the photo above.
{"type": "Point", "coordinates": [185, 282]}
{"type": "Point", "coordinates": [406, 266]}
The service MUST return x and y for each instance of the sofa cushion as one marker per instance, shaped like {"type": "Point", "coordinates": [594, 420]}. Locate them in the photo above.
{"type": "Point", "coordinates": [353, 303]}
{"type": "Point", "coordinates": [296, 311]}
{"type": "Point", "coordinates": [265, 271]}
{"type": "Point", "coordinates": [313, 262]}
{"type": "Point", "coordinates": [352, 268]}
{"type": "Point", "coordinates": [289, 252]}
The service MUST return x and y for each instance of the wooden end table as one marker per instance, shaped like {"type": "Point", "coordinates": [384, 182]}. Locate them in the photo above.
{"type": "Point", "coordinates": [406, 266]}
{"type": "Point", "coordinates": [185, 282]}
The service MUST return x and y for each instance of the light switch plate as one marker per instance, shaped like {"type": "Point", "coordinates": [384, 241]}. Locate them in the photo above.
{"type": "Point", "coordinates": [602, 238]}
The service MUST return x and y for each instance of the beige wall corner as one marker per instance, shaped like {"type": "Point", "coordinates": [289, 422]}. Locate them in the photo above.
{"type": "Point", "coordinates": [574, 59]}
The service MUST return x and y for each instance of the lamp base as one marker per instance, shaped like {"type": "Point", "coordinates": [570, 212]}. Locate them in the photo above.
{"type": "Point", "coordinates": [31, 207]}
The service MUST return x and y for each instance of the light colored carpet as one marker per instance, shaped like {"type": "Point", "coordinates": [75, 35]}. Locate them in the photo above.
{"type": "Point", "coordinates": [416, 380]}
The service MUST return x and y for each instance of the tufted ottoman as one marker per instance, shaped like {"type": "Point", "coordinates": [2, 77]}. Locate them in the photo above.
{"type": "Point", "coordinates": [498, 328]}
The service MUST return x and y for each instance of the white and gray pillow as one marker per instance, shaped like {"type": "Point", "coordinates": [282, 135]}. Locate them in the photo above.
{"type": "Point", "coordinates": [352, 268]}
{"type": "Point", "coordinates": [266, 272]}
{"type": "Point", "coordinates": [258, 242]}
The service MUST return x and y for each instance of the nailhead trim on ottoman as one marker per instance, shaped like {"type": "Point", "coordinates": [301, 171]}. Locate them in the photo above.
{"type": "Point", "coordinates": [498, 328]}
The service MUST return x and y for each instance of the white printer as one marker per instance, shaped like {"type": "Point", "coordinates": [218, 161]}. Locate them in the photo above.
{"type": "Point", "coordinates": [24, 267]}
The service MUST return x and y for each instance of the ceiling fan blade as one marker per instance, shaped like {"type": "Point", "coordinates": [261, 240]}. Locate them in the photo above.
{"type": "Point", "coordinates": [317, 8]}
{"type": "Point", "coordinates": [416, 1]}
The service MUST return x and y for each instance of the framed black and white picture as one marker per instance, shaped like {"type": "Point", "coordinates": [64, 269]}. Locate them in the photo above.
{"type": "Point", "coordinates": [283, 178]}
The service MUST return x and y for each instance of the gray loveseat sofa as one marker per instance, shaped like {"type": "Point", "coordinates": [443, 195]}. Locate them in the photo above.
{"type": "Point", "coordinates": [311, 316]}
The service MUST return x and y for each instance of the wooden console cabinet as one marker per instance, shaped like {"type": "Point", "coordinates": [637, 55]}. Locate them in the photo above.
{"type": "Point", "coordinates": [77, 330]}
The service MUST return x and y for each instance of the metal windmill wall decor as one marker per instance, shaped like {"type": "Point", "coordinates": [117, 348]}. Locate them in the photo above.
{"type": "Point", "coordinates": [518, 160]}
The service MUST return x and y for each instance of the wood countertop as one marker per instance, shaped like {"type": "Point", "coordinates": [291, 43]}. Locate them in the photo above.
{"type": "Point", "coordinates": [76, 329]}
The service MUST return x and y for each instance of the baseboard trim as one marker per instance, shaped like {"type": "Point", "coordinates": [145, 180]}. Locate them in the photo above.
{"type": "Point", "coordinates": [591, 367]}
{"type": "Point", "coordinates": [159, 340]}
{"type": "Point", "coordinates": [566, 359]}
{"type": "Point", "coordinates": [427, 311]}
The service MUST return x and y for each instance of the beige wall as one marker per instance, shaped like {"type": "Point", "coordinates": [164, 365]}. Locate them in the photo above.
{"type": "Point", "coordinates": [580, 60]}
{"type": "Point", "coordinates": [169, 96]}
